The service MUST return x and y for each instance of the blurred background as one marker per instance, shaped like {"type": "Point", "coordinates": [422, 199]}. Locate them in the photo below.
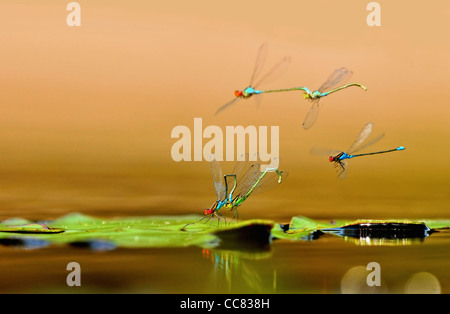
{"type": "Point", "coordinates": [86, 113]}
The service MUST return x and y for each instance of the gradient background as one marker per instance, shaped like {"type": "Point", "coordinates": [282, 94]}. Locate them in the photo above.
{"type": "Point", "coordinates": [86, 112]}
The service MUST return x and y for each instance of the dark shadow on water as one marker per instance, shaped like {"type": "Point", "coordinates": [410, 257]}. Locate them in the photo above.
{"type": "Point", "coordinates": [25, 243]}
{"type": "Point", "coordinates": [248, 238]}
{"type": "Point", "coordinates": [94, 245]}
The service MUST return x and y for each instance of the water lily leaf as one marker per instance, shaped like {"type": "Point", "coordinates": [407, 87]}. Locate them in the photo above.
{"type": "Point", "coordinates": [96, 233]}
{"type": "Point", "coordinates": [99, 234]}
{"type": "Point", "coordinates": [302, 224]}
{"type": "Point", "coordinates": [30, 228]}
{"type": "Point", "coordinates": [307, 229]}
{"type": "Point", "coordinates": [299, 228]}
{"type": "Point", "coordinates": [438, 224]}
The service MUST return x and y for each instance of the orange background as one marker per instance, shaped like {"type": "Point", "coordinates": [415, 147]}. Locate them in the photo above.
{"type": "Point", "coordinates": [86, 112]}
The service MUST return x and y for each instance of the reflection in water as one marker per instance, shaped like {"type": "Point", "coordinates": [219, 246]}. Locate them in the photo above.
{"type": "Point", "coordinates": [233, 271]}
{"type": "Point", "coordinates": [367, 241]}
{"type": "Point", "coordinates": [382, 234]}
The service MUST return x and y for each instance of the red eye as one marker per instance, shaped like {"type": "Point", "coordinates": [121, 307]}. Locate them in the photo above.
{"type": "Point", "coordinates": [209, 211]}
{"type": "Point", "coordinates": [238, 93]}
{"type": "Point", "coordinates": [331, 158]}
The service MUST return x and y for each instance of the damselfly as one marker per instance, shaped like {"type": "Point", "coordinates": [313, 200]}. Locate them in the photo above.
{"type": "Point", "coordinates": [251, 89]}
{"type": "Point", "coordinates": [233, 188]}
{"type": "Point", "coordinates": [340, 158]}
{"type": "Point", "coordinates": [339, 76]}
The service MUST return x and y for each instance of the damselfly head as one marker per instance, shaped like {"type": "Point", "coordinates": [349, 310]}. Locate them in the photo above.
{"type": "Point", "coordinates": [331, 158]}
{"type": "Point", "coordinates": [209, 211]}
{"type": "Point", "coordinates": [238, 93]}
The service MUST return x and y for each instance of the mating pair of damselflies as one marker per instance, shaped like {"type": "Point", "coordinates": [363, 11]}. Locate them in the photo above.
{"type": "Point", "coordinates": [339, 76]}
{"type": "Point", "coordinates": [340, 158]}
{"type": "Point", "coordinates": [234, 187]}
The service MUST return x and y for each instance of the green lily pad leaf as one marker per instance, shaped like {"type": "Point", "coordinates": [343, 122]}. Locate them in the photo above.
{"type": "Point", "coordinates": [30, 228]}
{"type": "Point", "coordinates": [133, 232]}
{"type": "Point", "coordinates": [302, 224]}
{"type": "Point", "coordinates": [438, 224]}
{"type": "Point", "coordinates": [81, 230]}
{"type": "Point", "coordinates": [96, 233]}
{"type": "Point", "coordinates": [306, 229]}
{"type": "Point", "coordinates": [300, 228]}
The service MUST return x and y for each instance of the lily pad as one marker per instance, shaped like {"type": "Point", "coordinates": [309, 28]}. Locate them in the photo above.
{"type": "Point", "coordinates": [78, 230]}
{"type": "Point", "coordinates": [30, 228]}
{"type": "Point", "coordinates": [306, 229]}
{"type": "Point", "coordinates": [139, 232]}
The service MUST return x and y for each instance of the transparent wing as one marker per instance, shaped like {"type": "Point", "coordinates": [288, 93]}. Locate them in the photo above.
{"type": "Point", "coordinates": [269, 181]}
{"type": "Point", "coordinates": [236, 170]}
{"type": "Point", "coordinates": [341, 75]}
{"type": "Point", "coordinates": [312, 115]}
{"type": "Point", "coordinates": [368, 144]}
{"type": "Point", "coordinates": [274, 72]}
{"type": "Point", "coordinates": [363, 135]}
{"type": "Point", "coordinates": [227, 105]}
{"type": "Point", "coordinates": [241, 165]}
{"type": "Point", "coordinates": [248, 179]}
{"type": "Point", "coordinates": [267, 166]}
{"type": "Point", "coordinates": [218, 179]}
{"type": "Point", "coordinates": [259, 64]}
{"type": "Point", "coordinates": [323, 151]}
